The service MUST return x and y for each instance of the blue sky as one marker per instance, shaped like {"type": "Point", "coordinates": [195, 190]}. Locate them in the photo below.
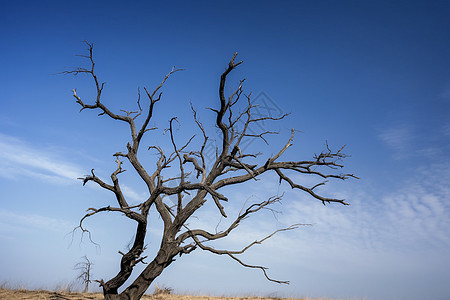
{"type": "Point", "coordinates": [374, 75]}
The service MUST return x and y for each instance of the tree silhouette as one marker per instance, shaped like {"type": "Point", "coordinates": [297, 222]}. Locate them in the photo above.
{"type": "Point", "coordinates": [85, 268]}
{"type": "Point", "coordinates": [198, 179]}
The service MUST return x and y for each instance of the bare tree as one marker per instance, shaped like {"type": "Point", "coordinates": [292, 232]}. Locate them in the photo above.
{"type": "Point", "coordinates": [231, 166]}
{"type": "Point", "coordinates": [85, 268]}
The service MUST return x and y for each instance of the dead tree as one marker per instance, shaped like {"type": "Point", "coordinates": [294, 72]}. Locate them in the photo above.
{"type": "Point", "coordinates": [85, 268]}
{"type": "Point", "coordinates": [234, 115]}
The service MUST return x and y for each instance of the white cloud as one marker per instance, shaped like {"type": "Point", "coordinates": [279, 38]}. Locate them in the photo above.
{"type": "Point", "coordinates": [12, 223]}
{"type": "Point", "coordinates": [414, 216]}
{"type": "Point", "coordinates": [420, 210]}
{"type": "Point", "coordinates": [133, 195]}
{"type": "Point", "coordinates": [21, 159]}
{"type": "Point", "coordinates": [407, 141]}
{"type": "Point", "coordinates": [47, 164]}
{"type": "Point", "coordinates": [399, 139]}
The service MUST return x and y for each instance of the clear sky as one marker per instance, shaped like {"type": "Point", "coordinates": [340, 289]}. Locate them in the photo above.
{"type": "Point", "coordinates": [374, 75]}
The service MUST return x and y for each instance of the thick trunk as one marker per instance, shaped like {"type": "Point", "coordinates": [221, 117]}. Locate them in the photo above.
{"type": "Point", "coordinates": [137, 289]}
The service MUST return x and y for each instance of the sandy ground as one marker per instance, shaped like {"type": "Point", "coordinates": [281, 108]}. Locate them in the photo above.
{"type": "Point", "coordinates": [49, 295]}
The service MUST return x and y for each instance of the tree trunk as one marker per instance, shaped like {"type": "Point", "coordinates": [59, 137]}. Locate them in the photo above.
{"type": "Point", "coordinates": [137, 289]}
{"type": "Point", "coordinates": [88, 277]}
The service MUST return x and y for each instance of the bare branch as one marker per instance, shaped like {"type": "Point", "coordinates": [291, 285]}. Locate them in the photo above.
{"type": "Point", "coordinates": [309, 190]}
{"type": "Point", "coordinates": [126, 211]}
{"type": "Point", "coordinates": [233, 254]}
{"type": "Point", "coordinates": [250, 210]}
{"type": "Point", "coordinates": [223, 104]}
{"type": "Point", "coordinates": [153, 100]}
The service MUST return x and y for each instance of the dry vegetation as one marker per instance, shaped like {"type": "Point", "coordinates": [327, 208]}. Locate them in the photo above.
{"type": "Point", "coordinates": [12, 294]}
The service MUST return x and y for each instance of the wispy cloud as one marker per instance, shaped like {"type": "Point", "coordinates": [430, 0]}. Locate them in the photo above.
{"type": "Point", "coordinates": [12, 222]}
{"type": "Point", "coordinates": [22, 159]}
{"type": "Point", "coordinates": [414, 216]}
{"type": "Point", "coordinates": [133, 195]}
{"type": "Point", "coordinates": [399, 139]}
{"type": "Point", "coordinates": [408, 140]}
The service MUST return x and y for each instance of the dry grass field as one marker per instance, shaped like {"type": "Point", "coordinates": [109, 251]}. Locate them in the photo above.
{"type": "Point", "coordinates": [10, 294]}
